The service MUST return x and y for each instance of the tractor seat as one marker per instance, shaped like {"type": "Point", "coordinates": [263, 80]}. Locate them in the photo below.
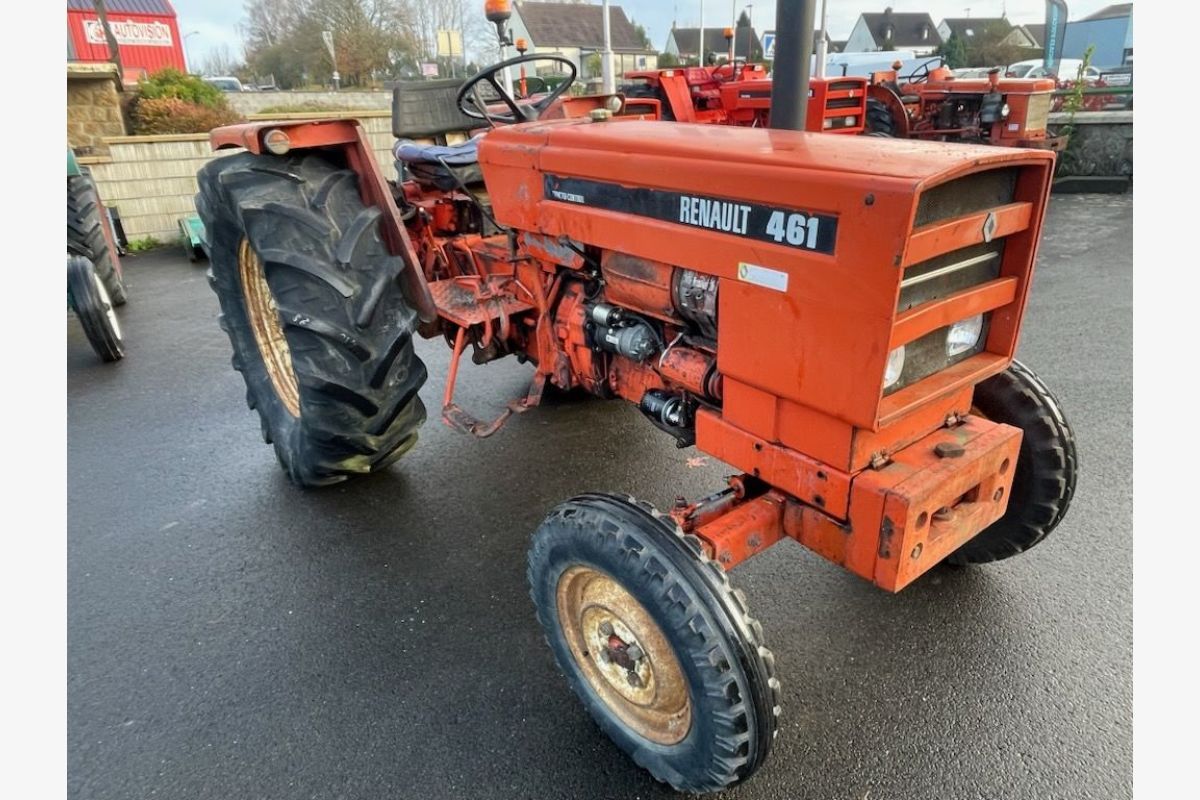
{"type": "Point", "coordinates": [462, 154]}
{"type": "Point", "coordinates": [427, 163]}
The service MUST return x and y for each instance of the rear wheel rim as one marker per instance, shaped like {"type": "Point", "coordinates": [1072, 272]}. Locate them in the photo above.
{"type": "Point", "coordinates": [268, 328]}
{"type": "Point", "coordinates": [604, 625]}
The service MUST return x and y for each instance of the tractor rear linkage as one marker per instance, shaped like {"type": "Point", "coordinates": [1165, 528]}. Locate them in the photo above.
{"type": "Point", "coordinates": [842, 336]}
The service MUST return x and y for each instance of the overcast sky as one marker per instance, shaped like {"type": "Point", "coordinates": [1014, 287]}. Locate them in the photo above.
{"type": "Point", "coordinates": [216, 21]}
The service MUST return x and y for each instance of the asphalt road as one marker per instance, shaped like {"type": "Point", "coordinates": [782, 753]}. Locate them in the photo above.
{"type": "Point", "coordinates": [232, 637]}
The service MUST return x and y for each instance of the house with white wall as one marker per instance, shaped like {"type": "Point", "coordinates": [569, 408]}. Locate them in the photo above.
{"type": "Point", "coordinates": [894, 31]}
{"type": "Point", "coordinates": [576, 31]}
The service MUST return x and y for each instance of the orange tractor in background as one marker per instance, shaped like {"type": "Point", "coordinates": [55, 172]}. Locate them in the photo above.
{"type": "Point", "coordinates": [740, 94]}
{"type": "Point", "coordinates": [931, 103]}
{"type": "Point", "coordinates": [833, 317]}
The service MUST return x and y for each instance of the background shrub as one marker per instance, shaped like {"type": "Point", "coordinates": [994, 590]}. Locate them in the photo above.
{"type": "Point", "coordinates": [173, 115]}
{"type": "Point", "coordinates": [173, 83]}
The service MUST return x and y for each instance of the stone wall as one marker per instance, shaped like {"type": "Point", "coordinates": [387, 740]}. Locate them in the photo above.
{"type": "Point", "coordinates": [249, 103]}
{"type": "Point", "coordinates": [93, 106]}
{"type": "Point", "coordinates": [1101, 145]}
{"type": "Point", "coordinates": [151, 180]}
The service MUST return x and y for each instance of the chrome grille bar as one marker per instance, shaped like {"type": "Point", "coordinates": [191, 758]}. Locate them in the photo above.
{"type": "Point", "coordinates": [949, 268]}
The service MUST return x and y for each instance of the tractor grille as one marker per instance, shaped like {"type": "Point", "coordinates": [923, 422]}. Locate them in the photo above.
{"type": "Point", "coordinates": [967, 195]}
{"type": "Point", "coordinates": [932, 280]}
{"type": "Point", "coordinates": [1039, 113]}
{"type": "Point", "coordinates": [927, 355]}
{"type": "Point", "coordinates": [844, 102]}
{"type": "Point", "coordinates": [949, 273]}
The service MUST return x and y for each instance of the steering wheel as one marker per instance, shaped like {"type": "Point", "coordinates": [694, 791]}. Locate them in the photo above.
{"type": "Point", "coordinates": [921, 74]}
{"type": "Point", "coordinates": [471, 104]}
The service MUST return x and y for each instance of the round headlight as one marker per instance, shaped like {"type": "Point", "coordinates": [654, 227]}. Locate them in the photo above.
{"type": "Point", "coordinates": [614, 104]}
{"type": "Point", "coordinates": [964, 335]}
{"type": "Point", "coordinates": [1004, 109]}
{"type": "Point", "coordinates": [276, 141]}
{"type": "Point", "coordinates": [895, 366]}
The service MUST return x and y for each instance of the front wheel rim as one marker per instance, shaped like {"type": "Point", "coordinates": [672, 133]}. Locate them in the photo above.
{"type": "Point", "coordinates": [106, 306]}
{"type": "Point", "coordinates": [623, 655]}
{"type": "Point", "coordinates": [263, 314]}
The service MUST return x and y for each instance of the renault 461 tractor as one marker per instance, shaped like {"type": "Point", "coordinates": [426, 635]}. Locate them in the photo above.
{"type": "Point", "coordinates": [834, 317]}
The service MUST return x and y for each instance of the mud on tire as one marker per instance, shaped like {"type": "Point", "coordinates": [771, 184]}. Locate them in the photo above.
{"type": "Point", "coordinates": [336, 392]}
{"type": "Point", "coordinates": [1044, 480]}
{"type": "Point", "coordinates": [728, 671]}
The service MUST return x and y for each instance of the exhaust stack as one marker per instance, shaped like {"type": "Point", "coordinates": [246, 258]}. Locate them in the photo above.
{"type": "Point", "coordinates": [793, 54]}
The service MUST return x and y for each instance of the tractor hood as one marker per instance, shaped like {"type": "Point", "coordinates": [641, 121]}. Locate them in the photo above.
{"type": "Point", "coordinates": [809, 233]}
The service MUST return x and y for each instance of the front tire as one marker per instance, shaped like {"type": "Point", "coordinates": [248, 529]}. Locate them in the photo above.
{"type": "Point", "coordinates": [94, 309]}
{"type": "Point", "coordinates": [654, 642]}
{"type": "Point", "coordinates": [1044, 481]}
{"type": "Point", "coordinates": [309, 296]}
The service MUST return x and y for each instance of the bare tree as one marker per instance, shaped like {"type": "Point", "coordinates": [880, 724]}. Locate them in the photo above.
{"type": "Point", "coordinates": [221, 61]}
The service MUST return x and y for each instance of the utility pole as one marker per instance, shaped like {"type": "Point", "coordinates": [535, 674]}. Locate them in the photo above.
{"type": "Point", "coordinates": [700, 47]}
{"type": "Point", "coordinates": [733, 27]}
{"type": "Point", "coordinates": [114, 50]}
{"type": "Point", "coordinates": [822, 47]}
{"type": "Point", "coordinates": [606, 57]}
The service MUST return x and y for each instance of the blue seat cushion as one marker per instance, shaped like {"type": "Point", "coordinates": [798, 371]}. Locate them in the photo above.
{"type": "Point", "coordinates": [463, 154]}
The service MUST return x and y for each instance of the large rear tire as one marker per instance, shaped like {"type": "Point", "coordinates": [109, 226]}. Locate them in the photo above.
{"type": "Point", "coordinates": [87, 237]}
{"type": "Point", "coordinates": [94, 309]}
{"type": "Point", "coordinates": [879, 118]}
{"type": "Point", "coordinates": [655, 642]}
{"type": "Point", "coordinates": [1044, 481]}
{"type": "Point", "coordinates": [310, 299]}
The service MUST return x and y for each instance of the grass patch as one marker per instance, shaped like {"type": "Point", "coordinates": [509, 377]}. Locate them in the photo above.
{"type": "Point", "coordinates": [143, 244]}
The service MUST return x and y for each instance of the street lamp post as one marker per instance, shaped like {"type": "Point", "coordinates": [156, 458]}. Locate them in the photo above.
{"type": "Point", "coordinates": [186, 61]}
{"type": "Point", "coordinates": [606, 66]}
{"type": "Point", "coordinates": [822, 46]}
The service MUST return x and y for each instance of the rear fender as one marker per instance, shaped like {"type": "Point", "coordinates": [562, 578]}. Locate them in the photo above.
{"type": "Point", "coordinates": [346, 136]}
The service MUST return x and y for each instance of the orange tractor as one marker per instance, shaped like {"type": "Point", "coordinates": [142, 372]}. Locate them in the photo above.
{"type": "Point", "coordinates": [740, 94]}
{"type": "Point", "coordinates": [834, 317]}
{"type": "Point", "coordinates": [931, 103]}
{"type": "Point", "coordinates": [928, 104]}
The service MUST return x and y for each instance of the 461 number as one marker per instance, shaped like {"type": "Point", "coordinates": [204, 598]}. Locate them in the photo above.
{"type": "Point", "coordinates": [797, 230]}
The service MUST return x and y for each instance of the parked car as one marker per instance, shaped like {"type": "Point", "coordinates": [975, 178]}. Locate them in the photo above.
{"type": "Point", "coordinates": [226, 84]}
{"type": "Point", "coordinates": [975, 72]}
{"type": "Point", "coordinates": [1068, 68]}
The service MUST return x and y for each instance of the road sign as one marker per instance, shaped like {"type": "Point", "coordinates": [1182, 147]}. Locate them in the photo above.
{"type": "Point", "coordinates": [768, 43]}
{"type": "Point", "coordinates": [449, 43]}
{"type": "Point", "coordinates": [429, 70]}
